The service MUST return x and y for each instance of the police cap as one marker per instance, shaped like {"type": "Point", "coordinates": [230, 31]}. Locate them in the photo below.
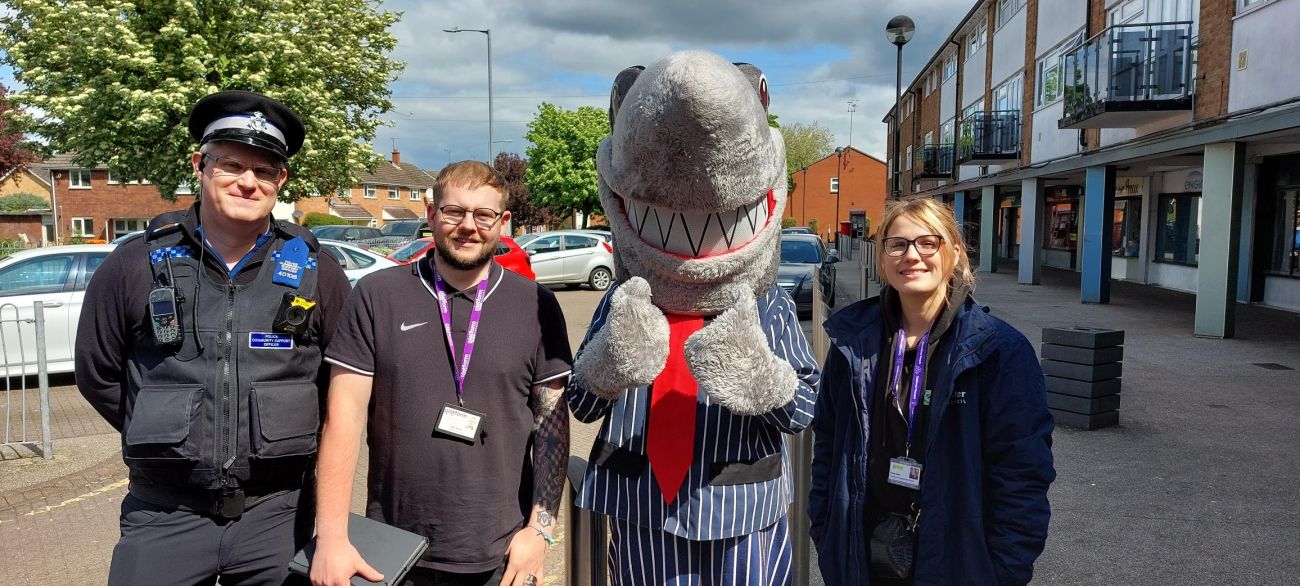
{"type": "Point", "coordinates": [249, 118]}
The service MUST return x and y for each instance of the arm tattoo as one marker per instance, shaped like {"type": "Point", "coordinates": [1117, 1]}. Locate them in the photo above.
{"type": "Point", "coordinates": [550, 446]}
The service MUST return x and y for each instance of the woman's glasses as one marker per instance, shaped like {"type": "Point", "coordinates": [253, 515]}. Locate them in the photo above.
{"type": "Point", "coordinates": [926, 245]}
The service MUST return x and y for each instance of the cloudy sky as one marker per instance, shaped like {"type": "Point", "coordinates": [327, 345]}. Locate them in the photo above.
{"type": "Point", "coordinates": [817, 54]}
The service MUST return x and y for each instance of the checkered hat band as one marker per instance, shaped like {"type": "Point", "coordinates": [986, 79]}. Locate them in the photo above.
{"type": "Point", "coordinates": [245, 122]}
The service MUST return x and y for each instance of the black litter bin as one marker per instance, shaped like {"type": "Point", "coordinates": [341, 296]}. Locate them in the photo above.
{"type": "Point", "coordinates": [1083, 368]}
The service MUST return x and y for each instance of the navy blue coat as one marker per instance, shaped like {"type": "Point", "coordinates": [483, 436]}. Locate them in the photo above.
{"type": "Point", "coordinates": [984, 509]}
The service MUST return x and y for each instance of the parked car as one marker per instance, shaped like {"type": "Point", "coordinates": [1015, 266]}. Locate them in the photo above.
{"type": "Point", "coordinates": [357, 262]}
{"type": "Point", "coordinates": [801, 255]}
{"type": "Point", "coordinates": [508, 254]}
{"type": "Point", "coordinates": [397, 234]}
{"type": "Point", "coordinates": [798, 230]}
{"type": "Point", "coordinates": [57, 277]}
{"type": "Point", "coordinates": [346, 233]}
{"type": "Point", "coordinates": [571, 258]}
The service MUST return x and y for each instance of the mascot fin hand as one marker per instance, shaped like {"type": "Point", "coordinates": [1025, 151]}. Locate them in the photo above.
{"type": "Point", "coordinates": [630, 349]}
{"type": "Point", "coordinates": [731, 360]}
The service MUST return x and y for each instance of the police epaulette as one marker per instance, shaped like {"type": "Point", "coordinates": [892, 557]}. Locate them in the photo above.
{"type": "Point", "coordinates": [164, 224]}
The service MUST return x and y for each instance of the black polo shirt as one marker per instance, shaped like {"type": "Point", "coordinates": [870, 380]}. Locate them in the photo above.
{"type": "Point", "coordinates": [468, 498]}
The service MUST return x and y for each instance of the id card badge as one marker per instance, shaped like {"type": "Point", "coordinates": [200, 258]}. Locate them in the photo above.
{"type": "Point", "coordinates": [459, 422]}
{"type": "Point", "coordinates": [905, 472]}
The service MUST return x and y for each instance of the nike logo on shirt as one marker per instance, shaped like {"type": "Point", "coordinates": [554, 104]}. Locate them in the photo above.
{"type": "Point", "coordinates": [412, 326]}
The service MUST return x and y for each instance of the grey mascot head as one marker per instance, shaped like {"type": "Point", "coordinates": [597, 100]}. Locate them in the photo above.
{"type": "Point", "coordinates": [692, 179]}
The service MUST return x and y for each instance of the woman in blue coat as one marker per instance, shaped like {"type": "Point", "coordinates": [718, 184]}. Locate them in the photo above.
{"type": "Point", "coordinates": [931, 437]}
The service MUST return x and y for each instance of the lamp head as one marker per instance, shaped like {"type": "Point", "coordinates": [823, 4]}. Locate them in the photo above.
{"type": "Point", "coordinates": [900, 30]}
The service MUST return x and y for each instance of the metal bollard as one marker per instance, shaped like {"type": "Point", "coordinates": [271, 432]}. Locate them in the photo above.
{"type": "Point", "coordinates": [43, 379]}
{"type": "Point", "coordinates": [586, 557]}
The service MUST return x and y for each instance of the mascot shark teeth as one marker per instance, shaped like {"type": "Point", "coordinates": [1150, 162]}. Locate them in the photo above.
{"type": "Point", "coordinates": [695, 360]}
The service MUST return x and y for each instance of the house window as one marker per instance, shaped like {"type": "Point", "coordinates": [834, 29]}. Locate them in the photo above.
{"type": "Point", "coordinates": [114, 180]}
{"type": "Point", "coordinates": [1244, 5]}
{"type": "Point", "coordinates": [126, 226]}
{"type": "Point", "coordinates": [370, 192]}
{"type": "Point", "coordinates": [184, 188]}
{"type": "Point", "coordinates": [1286, 237]}
{"type": "Point", "coordinates": [975, 41]}
{"type": "Point", "coordinates": [1125, 12]}
{"type": "Point", "coordinates": [1051, 73]}
{"type": "Point", "coordinates": [1178, 229]}
{"type": "Point", "coordinates": [394, 193]}
{"type": "Point", "coordinates": [1127, 227]}
{"type": "Point", "coordinates": [945, 132]}
{"type": "Point", "coordinates": [415, 194]}
{"type": "Point", "coordinates": [835, 184]}
{"type": "Point", "coordinates": [929, 138]}
{"type": "Point", "coordinates": [909, 157]}
{"type": "Point", "coordinates": [1010, 95]}
{"type": "Point", "coordinates": [79, 178]}
{"type": "Point", "coordinates": [83, 227]}
{"type": "Point", "coordinates": [1009, 8]}
{"type": "Point", "coordinates": [950, 66]}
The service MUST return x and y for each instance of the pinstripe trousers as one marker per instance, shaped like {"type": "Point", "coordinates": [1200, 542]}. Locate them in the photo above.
{"type": "Point", "coordinates": [644, 556]}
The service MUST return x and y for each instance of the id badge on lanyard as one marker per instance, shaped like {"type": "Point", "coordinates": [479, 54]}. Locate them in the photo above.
{"type": "Point", "coordinates": [905, 471]}
{"type": "Point", "coordinates": [456, 420]}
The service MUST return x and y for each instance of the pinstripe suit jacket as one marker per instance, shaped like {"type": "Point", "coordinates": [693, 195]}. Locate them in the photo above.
{"type": "Point", "coordinates": [701, 511]}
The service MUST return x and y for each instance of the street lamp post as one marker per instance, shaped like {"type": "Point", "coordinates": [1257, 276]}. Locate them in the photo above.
{"type": "Point", "coordinates": [839, 187]}
{"type": "Point", "coordinates": [853, 107]}
{"type": "Point", "coordinates": [899, 31]}
{"type": "Point", "coordinates": [488, 32]}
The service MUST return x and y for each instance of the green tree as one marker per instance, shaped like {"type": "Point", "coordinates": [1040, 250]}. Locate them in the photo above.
{"type": "Point", "coordinates": [805, 144]}
{"type": "Point", "coordinates": [524, 210]}
{"type": "Point", "coordinates": [113, 80]}
{"type": "Point", "coordinates": [562, 161]}
{"type": "Point", "coordinates": [22, 201]}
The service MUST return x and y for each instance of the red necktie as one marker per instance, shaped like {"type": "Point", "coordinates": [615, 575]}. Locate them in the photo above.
{"type": "Point", "coordinates": [670, 439]}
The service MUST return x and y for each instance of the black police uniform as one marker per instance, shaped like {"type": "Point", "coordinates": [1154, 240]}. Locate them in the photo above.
{"type": "Point", "coordinates": [219, 428]}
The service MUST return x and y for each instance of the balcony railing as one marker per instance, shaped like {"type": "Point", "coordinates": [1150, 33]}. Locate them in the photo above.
{"type": "Point", "coordinates": [934, 161]}
{"type": "Point", "coordinates": [1128, 75]}
{"type": "Point", "coordinates": [990, 137]}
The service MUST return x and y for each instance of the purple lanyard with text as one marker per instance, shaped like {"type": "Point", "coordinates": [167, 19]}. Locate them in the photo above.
{"type": "Point", "coordinates": [918, 374]}
{"type": "Point", "coordinates": [444, 310]}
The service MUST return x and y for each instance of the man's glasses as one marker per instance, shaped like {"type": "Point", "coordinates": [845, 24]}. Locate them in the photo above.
{"type": "Point", "coordinates": [233, 166]}
{"type": "Point", "coordinates": [926, 245]}
{"type": "Point", "coordinates": [484, 218]}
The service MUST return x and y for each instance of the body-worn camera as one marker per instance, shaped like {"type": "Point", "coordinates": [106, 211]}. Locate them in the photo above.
{"type": "Point", "coordinates": [294, 315]}
{"type": "Point", "coordinates": [164, 317]}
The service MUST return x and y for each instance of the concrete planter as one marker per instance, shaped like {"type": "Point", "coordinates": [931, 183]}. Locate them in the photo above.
{"type": "Point", "coordinates": [1083, 368]}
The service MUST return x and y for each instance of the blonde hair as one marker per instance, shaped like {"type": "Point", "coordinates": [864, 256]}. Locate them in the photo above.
{"type": "Point", "coordinates": [935, 216]}
{"type": "Point", "coordinates": [470, 175]}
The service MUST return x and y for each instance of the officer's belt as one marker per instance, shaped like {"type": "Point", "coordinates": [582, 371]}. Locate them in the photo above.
{"type": "Point", "coordinates": [228, 504]}
{"type": "Point", "coordinates": [630, 464]}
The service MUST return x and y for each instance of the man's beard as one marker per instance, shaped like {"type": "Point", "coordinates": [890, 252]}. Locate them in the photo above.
{"type": "Point", "coordinates": [449, 257]}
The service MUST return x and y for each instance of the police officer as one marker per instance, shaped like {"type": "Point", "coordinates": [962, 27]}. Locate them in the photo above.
{"type": "Point", "coordinates": [202, 342]}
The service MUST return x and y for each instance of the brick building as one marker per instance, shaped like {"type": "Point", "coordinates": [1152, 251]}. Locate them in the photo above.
{"type": "Point", "coordinates": [395, 190]}
{"type": "Point", "coordinates": [94, 205]}
{"type": "Point", "coordinates": [853, 180]}
{"type": "Point", "coordinates": [36, 226]}
{"type": "Point", "coordinates": [1153, 141]}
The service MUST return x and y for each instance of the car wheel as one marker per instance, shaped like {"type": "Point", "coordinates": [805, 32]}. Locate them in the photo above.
{"type": "Point", "coordinates": [600, 278]}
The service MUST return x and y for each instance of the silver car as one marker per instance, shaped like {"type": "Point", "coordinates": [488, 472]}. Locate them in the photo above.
{"type": "Point", "coordinates": [571, 258]}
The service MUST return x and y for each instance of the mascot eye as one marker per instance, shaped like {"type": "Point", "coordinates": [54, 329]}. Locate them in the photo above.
{"type": "Point", "coordinates": [622, 83]}
{"type": "Point", "coordinates": [758, 80]}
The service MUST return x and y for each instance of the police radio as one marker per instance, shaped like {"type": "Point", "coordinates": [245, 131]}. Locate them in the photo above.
{"type": "Point", "coordinates": [164, 316]}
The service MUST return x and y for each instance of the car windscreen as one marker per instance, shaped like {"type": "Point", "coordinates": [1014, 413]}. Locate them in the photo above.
{"type": "Point", "coordinates": [400, 228]}
{"type": "Point", "coordinates": [405, 253]}
{"type": "Point", "coordinates": [331, 232]}
{"type": "Point", "coordinates": [800, 251]}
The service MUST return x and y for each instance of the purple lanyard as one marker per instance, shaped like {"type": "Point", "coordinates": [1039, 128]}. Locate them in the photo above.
{"type": "Point", "coordinates": [918, 374]}
{"type": "Point", "coordinates": [444, 310]}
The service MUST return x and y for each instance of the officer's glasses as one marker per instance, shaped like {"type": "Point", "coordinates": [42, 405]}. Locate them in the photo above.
{"type": "Point", "coordinates": [484, 218]}
{"type": "Point", "coordinates": [232, 166]}
{"type": "Point", "coordinates": [926, 245]}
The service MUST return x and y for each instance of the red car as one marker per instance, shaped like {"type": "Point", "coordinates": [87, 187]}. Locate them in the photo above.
{"type": "Point", "coordinates": [509, 255]}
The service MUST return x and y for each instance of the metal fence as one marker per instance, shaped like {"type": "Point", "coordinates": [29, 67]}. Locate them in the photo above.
{"type": "Point", "coordinates": [587, 546]}
{"type": "Point", "coordinates": [22, 357]}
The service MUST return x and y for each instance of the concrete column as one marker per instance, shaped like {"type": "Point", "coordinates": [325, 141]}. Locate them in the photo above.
{"type": "Point", "coordinates": [1031, 232]}
{"type": "Point", "coordinates": [989, 229]}
{"type": "Point", "coordinates": [959, 210]}
{"type": "Point", "coordinates": [1098, 219]}
{"type": "Point", "coordinates": [1216, 276]}
{"type": "Point", "coordinates": [1246, 248]}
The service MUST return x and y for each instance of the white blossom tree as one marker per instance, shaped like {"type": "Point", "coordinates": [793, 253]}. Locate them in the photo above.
{"type": "Point", "coordinates": [113, 80]}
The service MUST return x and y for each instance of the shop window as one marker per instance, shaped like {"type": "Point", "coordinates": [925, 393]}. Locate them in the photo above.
{"type": "Point", "coordinates": [1178, 229]}
{"type": "Point", "coordinates": [1062, 216]}
{"type": "Point", "coordinates": [1127, 227]}
{"type": "Point", "coordinates": [1286, 235]}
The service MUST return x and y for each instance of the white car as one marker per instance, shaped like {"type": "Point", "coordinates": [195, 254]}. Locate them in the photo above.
{"type": "Point", "coordinates": [357, 262]}
{"type": "Point", "coordinates": [571, 258]}
{"type": "Point", "coordinates": [57, 277]}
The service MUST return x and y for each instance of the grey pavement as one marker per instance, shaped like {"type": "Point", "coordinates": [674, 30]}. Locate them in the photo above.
{"type": "Point", "coordinates": [1195, 486]}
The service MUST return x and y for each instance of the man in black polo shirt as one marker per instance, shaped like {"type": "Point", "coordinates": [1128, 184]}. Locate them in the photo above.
{"type": "Point", "coordinates": [461, 365]}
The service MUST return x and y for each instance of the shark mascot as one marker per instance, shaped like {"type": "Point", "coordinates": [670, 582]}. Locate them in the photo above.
{"type": "Point", "coordinates": [695, 362]}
